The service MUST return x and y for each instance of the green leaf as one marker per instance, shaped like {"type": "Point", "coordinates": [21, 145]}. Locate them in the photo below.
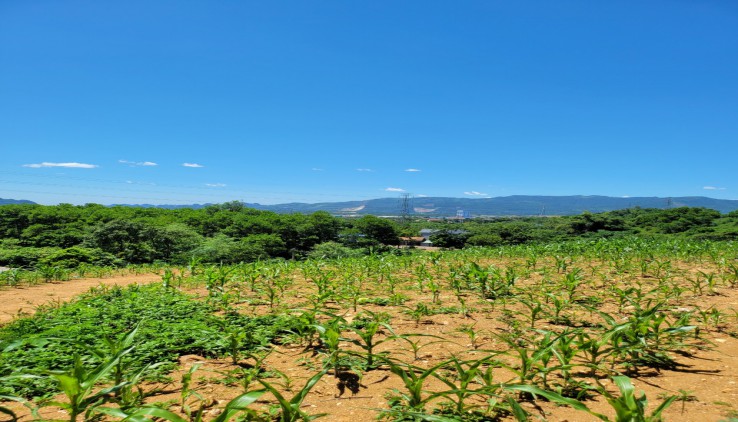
{"type": "Point", "coordinates": [69, 384]}
{"type": "Point", "coordinates": [238, 404]}
{"type": "Point", "coordinates": [555, 397]}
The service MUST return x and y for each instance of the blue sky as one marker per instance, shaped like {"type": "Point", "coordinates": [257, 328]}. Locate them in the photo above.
{"type": "Point", "coordinates": [279, 101]}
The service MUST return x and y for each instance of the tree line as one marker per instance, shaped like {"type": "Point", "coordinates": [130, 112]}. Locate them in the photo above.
{"type": "Point", "coordinates": [68, 235]}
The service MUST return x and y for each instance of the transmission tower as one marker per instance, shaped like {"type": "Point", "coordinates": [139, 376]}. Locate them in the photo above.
{"type": "Point", "coordinates": [405, 208]}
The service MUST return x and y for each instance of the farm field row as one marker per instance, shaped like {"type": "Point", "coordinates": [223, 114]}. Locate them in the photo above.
{"type": "Point", "coordinates": [477, 334]}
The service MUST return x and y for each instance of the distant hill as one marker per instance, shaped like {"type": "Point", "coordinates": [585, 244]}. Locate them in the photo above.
{"type": "Point", "coordinates": [517, 205]}
{"type": "Point", "coordinates": [15, 201]}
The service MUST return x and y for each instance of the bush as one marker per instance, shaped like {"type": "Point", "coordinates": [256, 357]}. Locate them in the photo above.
{"type": "Point", "coordinates": [24, 257]}
{"type": "Point", "coordinates": [75, 256]}
{"type": "Point", "coordinates": [485, 240]}
{"type": "Point", "coordinates": [333, 250]}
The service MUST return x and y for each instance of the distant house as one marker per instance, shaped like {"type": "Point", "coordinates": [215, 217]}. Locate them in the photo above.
{"type": "Point", "coordinates": [427, 233]}
{"type": "Point", "coordinates": [412, 240]}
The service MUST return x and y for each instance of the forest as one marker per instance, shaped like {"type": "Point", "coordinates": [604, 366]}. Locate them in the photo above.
{"type": "Point", "coordinates": [68, 236]}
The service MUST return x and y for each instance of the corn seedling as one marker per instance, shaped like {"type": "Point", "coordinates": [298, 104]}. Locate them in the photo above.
{"type": "Point", "coordinates": [472, 334]}
{"type": "Point", "coordinates": [416, 345]}
{"type": "Point", "coordinates": [290, 410]}
{"type": "Point", "coordinates": [464, 375]}
{"type": "Point", "coordinates": [413, 397]}
{"type": "Point", "coordinates": [79, 382]}
{"type": "Point", "coordinates": [367, 339]}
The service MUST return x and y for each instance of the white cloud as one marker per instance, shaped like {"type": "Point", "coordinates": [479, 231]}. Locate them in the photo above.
{"type": "Point", "coordinates": [138, 163]}
{"type": "Point", "coordinates": [421, 196]}
{"type": "Point", "coordinates": [475, 193]}
{"type": "Point", "coordinates": [412, 170]}
{"type": "Point", "coordinates": [193, 165]}
{"type": "Point", "coordinates": [394, 190]}
{"type": "Point", "coordinates": [316, 169]}
{"type": "Point", "coordinates": [215, 185]}
{"type": "Point", "coordinates": [67, 165]}
{"type": "Point", "coordinates": [712, 188]}
{"type": "Point", "coordinates": [365, 170]}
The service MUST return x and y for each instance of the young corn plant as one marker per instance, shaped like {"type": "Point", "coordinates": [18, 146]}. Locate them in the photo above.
{"type": "Point", "coordinates": [565, 350]}
{"type": "Point", "coordinates": [413, 398]}
{"type": "Point", "coordinates": [535, 309]}
{"type": "Point", "coordinates": [421, 310]}
{"type": "Point", "coordinates": [627, 407]}
{"type": "Point", "coordinates": [531, 363]}
{"type": "Point", "coordinates": [235, 340]}
{"type": "Point", "coordinates": [416, 345]}
{"type": "Point", "coordinates": [186, 392]}
{"type": "Point", "coordinates": [462, 383]}
{"type": "Point", "coordinates": [352, 289]}
{"type": "Point", "coordinates": [557, 306]}
{"type": "Point", "coordinates": [330, 337]}
{"type": "Point", "coordinates": [473, 335]}
{"type": "Point", "coordinates": [596, 347]}
{"type": "Point", "coordinates": [78, 385]}
{"type": "Point", "coordinates": [290, 410]}
{"type": "Point", "coordinates": [571, 282]}
{"type": "Point", "coordinates": [368, 339]}
{"type": "Point", "coordinates": [435, 289]}
{"type": "Point", "coordinates": [647, 339]}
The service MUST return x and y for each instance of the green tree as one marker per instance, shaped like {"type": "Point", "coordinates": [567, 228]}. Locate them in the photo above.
{"type": "Point", "coordinates": [128, 240]}
{"type": "Point", "coordinates": [450, 238]}
{"type": "Point", "coordinates": [377, 230]}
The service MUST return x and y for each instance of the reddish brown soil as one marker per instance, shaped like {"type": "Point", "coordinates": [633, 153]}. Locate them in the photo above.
{"type": "Point", "coordinates": [23, 300]}
{"type": "Point", "coordinates": [709, 378]}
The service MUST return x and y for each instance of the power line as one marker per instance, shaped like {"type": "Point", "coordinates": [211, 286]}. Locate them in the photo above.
{"type": "Point", "coordinates": [405, 208]}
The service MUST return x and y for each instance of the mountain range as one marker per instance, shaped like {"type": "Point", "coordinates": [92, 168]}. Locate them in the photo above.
{"type": "Point", "coordinates": [14, 201]}
{"type": "Point", "coordinates": [520, 205]}
{"type": "Point", "coordinates": [516, 205]}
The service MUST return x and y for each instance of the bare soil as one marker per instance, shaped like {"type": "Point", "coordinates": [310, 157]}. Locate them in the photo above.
{"type": "Point", "coordinates": [23, 300]}
{"type": "Point", "coordinates": [707, 377]}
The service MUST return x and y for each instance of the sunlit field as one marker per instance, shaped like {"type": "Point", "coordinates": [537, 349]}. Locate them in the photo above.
{"type": "Point", "coordinates": [512, 333]}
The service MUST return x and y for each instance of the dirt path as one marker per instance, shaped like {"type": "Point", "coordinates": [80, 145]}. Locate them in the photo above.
{"type": "Point", "coordinates": [16, 301]}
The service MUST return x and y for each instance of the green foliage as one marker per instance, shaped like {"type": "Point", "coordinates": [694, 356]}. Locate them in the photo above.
{"type": "Point", "coordinates": [290, 410]}
{"type": "Point", "coordinates": [75, 256]}
{"type": "Point", "coordinates": [450, 238]}
{"type": "Point", "coordinates": [24, 257]}
{"type": "Point", "coordinates": [491, 239]}
{"type": "Point", "coordinates": [375, 231]}
{"type": "Point", "coordinates": [333, 250]}
{"type": "Point", "coordinates": [219, 248]}
{"type": "Point", "coordinates": [565, 282]}
{"type": "Point", "coordinates": [171, 324]}
{"type": "Point", "coordinates": [232, 233]}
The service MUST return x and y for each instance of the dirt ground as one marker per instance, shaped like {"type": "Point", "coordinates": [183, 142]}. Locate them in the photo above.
{"type": "Point", "coordinates": [23, 300]}
{"type": "Point", "coordinates": [708, 379]}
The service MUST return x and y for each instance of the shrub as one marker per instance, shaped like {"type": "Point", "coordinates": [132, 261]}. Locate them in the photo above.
{"type": "Point", "coordinates": [333, 250]}
{"type": "Point", "coordinates": [24, 257]}
{"type": "Point", "coordinates": [75, 256]}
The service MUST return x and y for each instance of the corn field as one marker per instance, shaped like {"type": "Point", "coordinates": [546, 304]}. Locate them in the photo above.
{"type": "Point", "coordinates": [479, 334]}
